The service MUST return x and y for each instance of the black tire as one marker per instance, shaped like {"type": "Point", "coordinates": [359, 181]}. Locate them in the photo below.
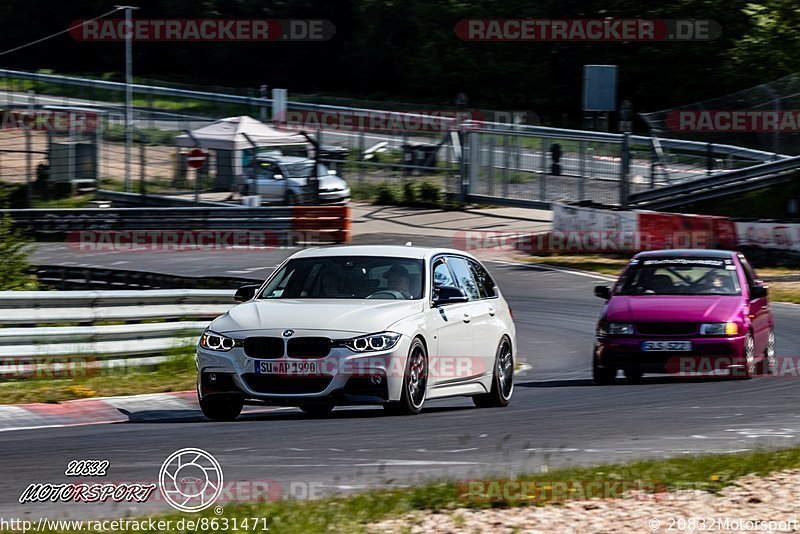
{"type": "Point", "coordinates": [317, 410]}
{"type": "Point", "coordinates": [603, 376]}
{"type": "Point", "coordinates": [633, 375]}
{"type": "Point", "coordinates": [415, 381]}
{"type": "Point", "coordinates": [502, 379]}
{"type": "Point", "coordinates": [222, 407]}
{"type": "Point", "coordinates": [767, 365]}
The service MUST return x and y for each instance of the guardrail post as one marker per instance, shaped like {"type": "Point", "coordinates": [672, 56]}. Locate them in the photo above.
{"type": "Point", "coordinates": [624, 170]}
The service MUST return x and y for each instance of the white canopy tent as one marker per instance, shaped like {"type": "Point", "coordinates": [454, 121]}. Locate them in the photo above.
{"type": "Point", "coordinates": [230, 138]}
{"type": "Point", "coordinates": [232, 133]}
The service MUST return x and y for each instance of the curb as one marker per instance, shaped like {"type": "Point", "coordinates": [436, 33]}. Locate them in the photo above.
{"type": "Point", "coordinates": [105, 410]}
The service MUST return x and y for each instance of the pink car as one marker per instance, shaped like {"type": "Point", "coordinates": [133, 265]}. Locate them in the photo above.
{"type": "Point", "coordinates": [687, 313]}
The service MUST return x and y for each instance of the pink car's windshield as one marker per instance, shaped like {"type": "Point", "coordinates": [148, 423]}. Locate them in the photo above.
{"type": "Point", "coordinates": [680, 276]}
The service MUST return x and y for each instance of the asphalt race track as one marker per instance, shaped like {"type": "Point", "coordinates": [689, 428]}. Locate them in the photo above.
{"type": "Point", "coordinates": [557, 416]}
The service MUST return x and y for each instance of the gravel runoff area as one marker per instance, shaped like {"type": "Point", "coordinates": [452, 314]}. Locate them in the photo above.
{"type": "Point", "coordinates": [753, 504]}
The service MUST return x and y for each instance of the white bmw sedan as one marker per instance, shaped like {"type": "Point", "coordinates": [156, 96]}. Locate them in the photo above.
{"type": "Point", "coordinates": [387, 325]}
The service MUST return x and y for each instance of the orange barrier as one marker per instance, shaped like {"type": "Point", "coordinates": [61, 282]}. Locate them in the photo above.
{"type": "Point", "coordinates": [330, 223]}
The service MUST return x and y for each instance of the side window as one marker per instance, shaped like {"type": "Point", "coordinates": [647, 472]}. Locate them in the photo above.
{"type": "Point", "coordinates": [441, 275]}
{"type": "Point", "coordinates": [749, 274]}
{"type": "Point", "coordinates": [485, 283]}
{"type": "Point", "coordinates": [464, 277]}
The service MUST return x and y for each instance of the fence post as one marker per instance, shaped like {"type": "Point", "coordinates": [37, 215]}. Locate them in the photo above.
{"type": "Point", "coordinates": [709, 159]}
{"type": "Point", "coordinates": [543, 179]}
{"type": "Point", "coordinates": [624, 170]}
{"type": "Point", "coordinates": [490, 169]}
{"type": "Point", "coordinates": [29, 163]}
{"type": "Point", "coordinates": [506, 163]}
{"type": "Point", "coordinates": [142, 162]}
{"type": "Point", "coordinates": [582, 183]}
{"type": "Point", "coordinates": [361, 144]}
{"type": "Point", "coordinates": [474, 165]}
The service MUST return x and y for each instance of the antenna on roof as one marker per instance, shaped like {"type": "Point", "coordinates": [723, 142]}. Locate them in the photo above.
{"type": "Point", "coordinates": [408, 243]}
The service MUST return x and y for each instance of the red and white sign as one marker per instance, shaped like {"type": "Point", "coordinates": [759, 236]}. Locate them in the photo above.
{"type": "Point", "coordinates": [196, 158]}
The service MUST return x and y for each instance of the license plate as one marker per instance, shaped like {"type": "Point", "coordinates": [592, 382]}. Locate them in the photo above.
{"type": "Point", "coordinates": [676, 346]}
{"type": "Point", "coordinates": [286, 368]}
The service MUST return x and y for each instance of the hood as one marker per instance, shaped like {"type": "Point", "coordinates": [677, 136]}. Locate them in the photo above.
{"type": "Point", "coordinates": [672, 308]}
{"type": "Point", "coordinates": [325, 182]}
{"type": "Point", "coordinates": [351, 316]}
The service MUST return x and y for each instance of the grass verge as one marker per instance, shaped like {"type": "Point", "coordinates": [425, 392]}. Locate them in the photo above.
{"type": "Point", "coordinates": [50, 385]}
{"type": "Point", "coordinates": [784, 282]}
{"type": "Point", "coordinates": [356, 513]}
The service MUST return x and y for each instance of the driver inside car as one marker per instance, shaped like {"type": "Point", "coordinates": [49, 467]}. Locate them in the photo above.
{"type": "Point", "coordinates": [399, 280]}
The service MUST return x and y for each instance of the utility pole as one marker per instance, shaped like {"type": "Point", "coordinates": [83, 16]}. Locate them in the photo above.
{"type": "Point", "coordinates": [128, 93]}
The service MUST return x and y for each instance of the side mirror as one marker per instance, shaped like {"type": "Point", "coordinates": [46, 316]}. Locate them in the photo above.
{"type": "Point", "coordinates": [604, 292]}
{"type": "Point", "coordinates": [278, 177]}
{"type": "Point", "coordinates": [448, 295]}
{"type": "Point", "coordinates": [758, 292]}
{"type": "Point", "coordinates": [245, 293]}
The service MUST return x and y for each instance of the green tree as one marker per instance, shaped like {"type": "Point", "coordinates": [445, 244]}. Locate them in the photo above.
{"type": "Point", "coordinates": [770, 48]}
{"type": "Point", "coordinates": [15, 271]}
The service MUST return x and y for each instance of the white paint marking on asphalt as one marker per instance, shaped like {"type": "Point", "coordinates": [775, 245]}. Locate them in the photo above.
{"type": "Point", "coordinates": [566, 270]}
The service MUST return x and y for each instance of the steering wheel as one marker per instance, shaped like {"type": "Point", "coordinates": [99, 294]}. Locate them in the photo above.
{"type": "Point", "coordinates": [391, 292]}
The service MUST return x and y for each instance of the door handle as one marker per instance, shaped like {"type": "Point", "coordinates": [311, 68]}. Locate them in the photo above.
{"type": "Point", "coordinates": [491, 311]}
{"type": "Point", "coordinates": [467, 318]}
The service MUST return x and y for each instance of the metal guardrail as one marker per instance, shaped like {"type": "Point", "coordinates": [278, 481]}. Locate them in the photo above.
{"type": "Point", "coordinates": [327, 223]}
{"type": "Point", "coordinates": [719, 185]}
{"type": "Point", "coordinates": [102, 345]}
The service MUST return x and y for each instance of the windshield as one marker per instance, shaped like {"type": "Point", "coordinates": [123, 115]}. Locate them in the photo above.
{"type": "Point", "coordinates": [347, 277]}
{"type": "Point", "coordinates": [303, 169]}
{"type": "Point", "coordinates": [680, 276]}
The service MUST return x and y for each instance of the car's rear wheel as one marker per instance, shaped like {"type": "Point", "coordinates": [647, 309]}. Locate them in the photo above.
{"type": "Point", "coordinates": [603, 376]}
{"type": "Point", "coordinates": [633, 375]}
{"type": "Point", "coordinates": [222, 407]}
{"type": "Point", "coordinates": [415, 382]}
{"type": "Point", "coordinates": [502, 379]}
{"type": "Point", "coordinates": [768, 363]}
{"type": "Point", "coordinates": [323, 409]}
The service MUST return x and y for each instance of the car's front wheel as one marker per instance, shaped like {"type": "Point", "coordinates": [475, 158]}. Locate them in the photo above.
{"type": "Point", "coordinates": [502, 379]}
{"type": "Point", "coordinates": [748, 368]}
{"type": "Point", "coordinates": [415, 381]}
{"type": "Point", "coordinates": [222, 407]}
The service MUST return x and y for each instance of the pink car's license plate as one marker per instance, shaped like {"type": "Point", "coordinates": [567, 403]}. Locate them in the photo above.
{"type": "Point", "coordinates": [651, 346]}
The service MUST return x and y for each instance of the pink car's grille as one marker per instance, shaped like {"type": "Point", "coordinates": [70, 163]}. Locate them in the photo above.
{"type": "Point", "coordinates": [667, 329]}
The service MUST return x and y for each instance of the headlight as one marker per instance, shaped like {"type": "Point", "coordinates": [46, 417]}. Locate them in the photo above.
{"type": "Point", "coordinates": [619, 329]}
{"type": "Point", "coordinates": [373, 342]}
{"type": "Point", "coordinates": [213, 341]}
{"type": "Point", "coordinates": [719, 329]}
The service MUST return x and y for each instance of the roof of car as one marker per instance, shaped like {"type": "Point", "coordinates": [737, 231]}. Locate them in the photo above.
{"type": "Point", "coordinates": [687, 253]}
{"type": "Point", "coordinates": [395, 251]}
{"type": "Point", "coordinates": [282, 159]}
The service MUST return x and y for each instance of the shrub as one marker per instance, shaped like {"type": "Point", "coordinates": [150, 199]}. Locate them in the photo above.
{"type": "Point", "coordinates": [15, 271]}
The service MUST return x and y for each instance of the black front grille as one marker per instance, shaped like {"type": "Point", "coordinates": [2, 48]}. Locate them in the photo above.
{"type": "Point", "coordinates": [667, 329]}
{"type": "Point", "coordinates": [309, 347]}
{"type": "Point", "coordinates": [278, 384]}
{"type": "Point", "coordinates": [263, 347]}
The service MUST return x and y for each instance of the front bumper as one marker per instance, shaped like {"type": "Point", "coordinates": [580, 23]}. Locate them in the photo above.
{"type": "Point", "coordinates": [707, 355]}
{"type": "Point", "coordinates": [344, 377]}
